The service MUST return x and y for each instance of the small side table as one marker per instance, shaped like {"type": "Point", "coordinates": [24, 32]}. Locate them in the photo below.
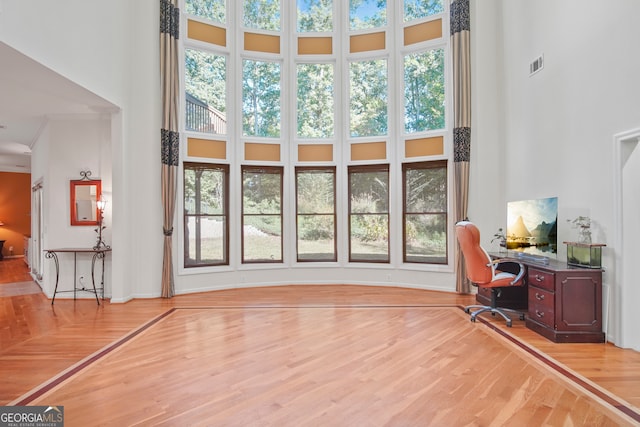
{"type": "Point", "coordinates": [100, 253]}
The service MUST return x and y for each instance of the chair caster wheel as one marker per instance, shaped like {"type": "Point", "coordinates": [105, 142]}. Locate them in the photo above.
{"type": "Point", "coordinates": [467, 310]}
{"type": "Point", "coordinates": [473, 319]}
{"type": "Point", "coordinates": [522, 317]}
{"type": "Point", "coordinates": [508, 324]}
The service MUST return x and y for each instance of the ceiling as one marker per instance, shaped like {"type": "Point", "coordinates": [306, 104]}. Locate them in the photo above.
{"type": "Point", "coordinates": [31, 94]}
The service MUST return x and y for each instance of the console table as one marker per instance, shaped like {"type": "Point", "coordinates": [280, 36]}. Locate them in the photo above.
{"type": "Point", "coordinates": [98, 254]}
{"type": "Point", "coordinates": [563, 303]}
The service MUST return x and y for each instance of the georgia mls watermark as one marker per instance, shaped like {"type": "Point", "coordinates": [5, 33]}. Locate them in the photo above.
{"type": "Point", "coordinates": [31, 416]}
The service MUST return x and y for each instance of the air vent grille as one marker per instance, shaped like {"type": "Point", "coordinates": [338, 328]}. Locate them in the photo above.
{"type": "Point", "coordinates": [536, 65]}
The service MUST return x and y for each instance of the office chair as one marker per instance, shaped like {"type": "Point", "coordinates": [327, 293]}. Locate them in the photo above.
{"type": "Point", "coordinates": [484, 272]}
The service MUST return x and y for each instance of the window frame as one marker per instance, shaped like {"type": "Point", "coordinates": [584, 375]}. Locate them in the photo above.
{"type": "Point", "coordinates": [332, 169]}
{"type": "Point", "coordinates": [432, 164]}
{"type": "Point", "coordinates": [224, 168]}
{"type": "Point", "coordinates": [261, 169]}
{"type": "Point", "coordinates": [384, 167]}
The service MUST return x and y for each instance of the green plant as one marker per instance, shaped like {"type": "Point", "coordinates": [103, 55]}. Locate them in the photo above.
{"type": "Point", "coordinates": [500, 236]}
{"type": "Point", "coordinates": [583, 224]}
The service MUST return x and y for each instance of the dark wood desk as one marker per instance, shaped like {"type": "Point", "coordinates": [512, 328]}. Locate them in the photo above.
{"type": "Point", "coordinates": [98, 254]}
{"type": "Point", "coordinates": [563, 303]}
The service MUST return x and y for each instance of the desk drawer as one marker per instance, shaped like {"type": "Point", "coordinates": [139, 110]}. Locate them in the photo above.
{"type": "Point", "coordinates": [541, 279]}
{"type": "Point", "coordinates": [542, 306]}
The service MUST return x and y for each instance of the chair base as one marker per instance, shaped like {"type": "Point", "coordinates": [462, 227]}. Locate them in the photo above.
{"type": "Point", "coordinates": [493, 310]}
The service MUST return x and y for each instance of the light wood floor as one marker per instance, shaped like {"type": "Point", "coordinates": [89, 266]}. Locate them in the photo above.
{"type": "Point", "coordinates": [39, 341]}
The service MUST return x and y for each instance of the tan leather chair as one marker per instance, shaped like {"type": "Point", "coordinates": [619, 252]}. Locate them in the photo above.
{"type": "Point", "coordinates": [484, 272]}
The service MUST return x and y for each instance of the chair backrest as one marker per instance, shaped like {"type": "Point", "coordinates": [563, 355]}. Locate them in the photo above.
{"type": "Point", "coordinates": [476, 259]}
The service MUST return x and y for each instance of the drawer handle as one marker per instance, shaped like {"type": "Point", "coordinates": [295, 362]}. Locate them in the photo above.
{"type": "Point", "coordinates": [539, 278]}
{"type": "Point", "coordinates": [539, 297]}
{"type": "Point", "coordinates": [539, 314]}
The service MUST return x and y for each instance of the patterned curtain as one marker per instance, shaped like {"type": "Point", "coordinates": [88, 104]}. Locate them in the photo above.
{"type": "Point", "coordinates": [461, 51]}
{"type": "Point", "coordinates": [170, 138]}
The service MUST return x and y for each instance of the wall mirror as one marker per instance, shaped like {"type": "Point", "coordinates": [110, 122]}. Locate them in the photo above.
{"type": "Point", "coordinates": [85, 194]}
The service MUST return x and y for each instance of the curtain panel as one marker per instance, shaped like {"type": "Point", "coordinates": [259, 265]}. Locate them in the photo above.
{"type": "Point", "coordinates": [169, 135]}
{"type": "Point", "coordinates": [461, 52]}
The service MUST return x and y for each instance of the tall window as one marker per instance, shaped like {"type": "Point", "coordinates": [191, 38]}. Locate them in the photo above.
{"type": "Point", "coordinates": [261, 214]}
{"type": "Point", "coordinates": [208, 9]}
{"type": "Point", "coordinates": [369, 213]}
{"type": "Point", "coordinates": [315, 100]}
{"type": "Point", "coordinates": [261, 98]}
{"type": "Point", "coordinates": [365, 14]}
{"type": "Point", "coordinates": [205, 92]}
{"type": "Point", "coordinates": [206, 214]}
{"type": "Point", "coordinates": [424, 91]}
{"type": "Point", "coordinates": [262, 14]}
{"type": "Point", "coordinates": [368, 98]}
{"type": "Point", "coordinates": [316, 213]}
{"type": "Point", "coordinates": [425, 212]}
{"type": "Point", "coordinates": [417, 9]}
{"type": "Point", "coordinates": [314, 15]}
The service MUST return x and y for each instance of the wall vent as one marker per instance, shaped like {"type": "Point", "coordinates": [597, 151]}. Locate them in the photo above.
{"type": "Point", "coordinates": [536, 65]}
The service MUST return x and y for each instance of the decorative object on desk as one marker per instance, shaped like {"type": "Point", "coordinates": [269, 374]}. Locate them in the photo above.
{"type": "Point", "coordinates": [100, 244]}
{"type": "Point", "coordinates": [581, 254]}
{"type": "Point", "coordinates": [583, 224]}
{"type": "Point", "coordinates": [84, 195]}
{"type": "Point", "coordinates": [500, 237]}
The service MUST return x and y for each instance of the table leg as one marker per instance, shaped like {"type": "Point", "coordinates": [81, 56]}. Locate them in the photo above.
{"type": "Point", "coordinates": [55, 260]}
{"type": "Point", "coordinates": [93, 280]}
{"type": "Point", "coordinates": [75, 273]}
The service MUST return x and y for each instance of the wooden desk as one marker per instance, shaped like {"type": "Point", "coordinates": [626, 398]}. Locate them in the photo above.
{"type": "Point", "coordinates": [98, 253]}
{"type": "Point", "coordinates": [563, 303]}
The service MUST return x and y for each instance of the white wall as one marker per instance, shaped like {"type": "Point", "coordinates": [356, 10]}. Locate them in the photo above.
{"type": "Point", "coordinates": [74, 145]}
{"type": "Point", "coordinates": [110, 48]}
{"type": "Point", "coordinates": [557, 125]}
{"type": "Point", "coordinates": [487, 203]}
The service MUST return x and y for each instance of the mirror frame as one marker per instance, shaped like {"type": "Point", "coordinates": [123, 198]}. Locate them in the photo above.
{"type": "Point", "coordinates": [72, 197]}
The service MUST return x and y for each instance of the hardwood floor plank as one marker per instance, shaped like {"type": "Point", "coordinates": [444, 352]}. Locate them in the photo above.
{"type": "Point", "coordinates": [38, 341]}
{"type": "Point", "coordinates": [361, 368]}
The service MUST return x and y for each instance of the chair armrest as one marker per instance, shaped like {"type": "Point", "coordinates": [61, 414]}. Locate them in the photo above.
{"type": "Point", "coordinates": [521, 268]}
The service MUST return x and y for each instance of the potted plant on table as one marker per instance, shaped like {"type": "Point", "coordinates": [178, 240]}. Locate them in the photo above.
{"type": "Point", "coordinates": [501, 238]}
{"type": "Point", "coordinates": [583, 224]}
{"type": "Point", "coordinates": [584, 253]}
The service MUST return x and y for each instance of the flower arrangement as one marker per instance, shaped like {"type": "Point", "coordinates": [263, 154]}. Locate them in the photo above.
{"type": "Point", "coordinates": [501, 237]}
{"type": "Point", "coordinates": [583, 224]}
